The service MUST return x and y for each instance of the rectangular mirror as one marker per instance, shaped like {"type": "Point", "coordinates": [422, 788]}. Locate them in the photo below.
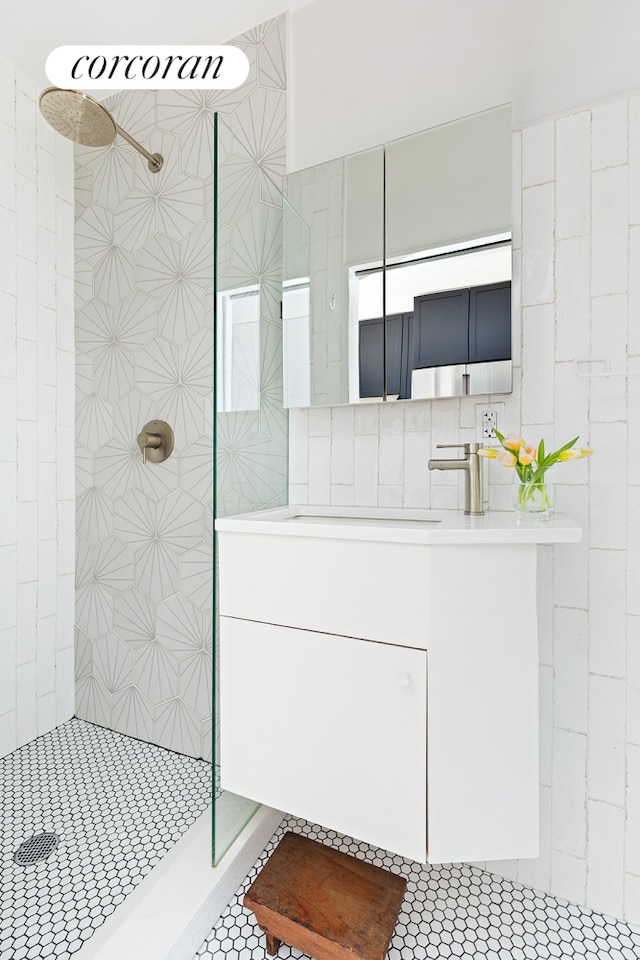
{"type": "Point", "coordinates": [409, 267]}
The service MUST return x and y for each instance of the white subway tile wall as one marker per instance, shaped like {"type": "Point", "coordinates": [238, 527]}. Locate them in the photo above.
{"type": "Point", "coordinates": [36, 395]}
{"type": "Point", "coordinates": [576, 188]}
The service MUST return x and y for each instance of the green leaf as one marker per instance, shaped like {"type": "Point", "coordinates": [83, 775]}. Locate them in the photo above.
{"type": "Point", "coordinates": [568, 446]}
{"type": "Point", "coordinates": [540, 451]}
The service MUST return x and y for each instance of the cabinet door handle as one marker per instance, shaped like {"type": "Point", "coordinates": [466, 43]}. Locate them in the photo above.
{"type": "Point", "coordinates": [405, 680]}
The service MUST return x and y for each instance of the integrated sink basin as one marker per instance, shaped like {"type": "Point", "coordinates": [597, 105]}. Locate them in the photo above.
{"type": "Point", "coordinates": [373, 521]}
{"type": "Point", "coordinates": [400, 525]}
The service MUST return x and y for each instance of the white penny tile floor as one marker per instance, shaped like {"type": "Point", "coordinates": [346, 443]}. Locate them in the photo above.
{"type": "Point", "coordinates": [110, 807]}
{"type": "Point", "coordinates": [448, 911]}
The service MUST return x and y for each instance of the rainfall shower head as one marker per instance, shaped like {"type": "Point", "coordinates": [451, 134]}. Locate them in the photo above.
{"type": "Point", "coordinates": [84, 120]}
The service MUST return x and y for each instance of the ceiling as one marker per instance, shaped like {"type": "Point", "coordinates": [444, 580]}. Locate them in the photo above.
{"type": "Point", "coordinates": [27, 36]}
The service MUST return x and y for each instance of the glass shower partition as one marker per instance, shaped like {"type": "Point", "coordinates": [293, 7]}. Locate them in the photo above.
{"type": "Point", "coordinates": [250, 424]}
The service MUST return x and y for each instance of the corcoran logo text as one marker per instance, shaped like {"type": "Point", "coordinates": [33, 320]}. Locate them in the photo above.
{"type": "Point", "coordinates": [147, 67]}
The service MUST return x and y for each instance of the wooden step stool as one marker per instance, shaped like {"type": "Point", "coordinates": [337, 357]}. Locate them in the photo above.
{"type": "Point", "coordinates": [324, 902]}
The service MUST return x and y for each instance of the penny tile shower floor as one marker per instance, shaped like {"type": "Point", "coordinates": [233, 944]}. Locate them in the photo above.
{"type": "Point", "coordinates": [448, 911]}
{"type": "Point", "coordinates": [117, 805]}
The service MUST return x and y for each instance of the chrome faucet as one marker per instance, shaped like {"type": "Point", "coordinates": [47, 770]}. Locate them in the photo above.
{"type": "Point", "coordinates": [472, 466]}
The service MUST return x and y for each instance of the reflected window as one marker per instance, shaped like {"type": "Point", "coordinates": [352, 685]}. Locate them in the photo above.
{"type": "Point", "coordinates": [296, 342]}
{"type": "Point", "coordinates": [487, 261]}
{"type": "Point", "coordinates": [238, 373]}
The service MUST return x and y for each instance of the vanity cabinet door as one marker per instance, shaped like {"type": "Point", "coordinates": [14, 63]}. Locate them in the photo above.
{"type": "Point", "coordinates": [328, 728]}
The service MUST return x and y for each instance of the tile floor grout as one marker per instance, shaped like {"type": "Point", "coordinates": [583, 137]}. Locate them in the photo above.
{"type": "Point", "coordinates": [73, 782]}
{"type": "Point", "coordinates": [452, 910]}
{"type": "Point", "coordinates": [104, 794]}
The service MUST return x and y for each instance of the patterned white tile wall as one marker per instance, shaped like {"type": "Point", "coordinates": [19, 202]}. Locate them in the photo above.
{"type": "Point", "coordinates": [37, 419]}
{"type": "Point", "coordinates": [144, 333]}
{"type": "Point", "coordinates": [577, 252]}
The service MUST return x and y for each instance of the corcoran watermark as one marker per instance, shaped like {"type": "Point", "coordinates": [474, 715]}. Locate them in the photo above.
{"type": "Point", "coordinates": [132, 67]}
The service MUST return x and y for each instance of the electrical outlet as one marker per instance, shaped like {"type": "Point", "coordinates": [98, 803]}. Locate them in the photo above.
{"type": "Point", "coordinates": [489, 417]}
{"type": "Point", "coordinates": [489, 424]}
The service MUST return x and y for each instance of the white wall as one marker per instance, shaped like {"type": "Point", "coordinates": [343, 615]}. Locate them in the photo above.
{"type": "Point", "coordinates": [368, 70]}
{"type": "Point", "coordinates": [36, 418]}
{"type": "Point", "coordinates": [577, 281]}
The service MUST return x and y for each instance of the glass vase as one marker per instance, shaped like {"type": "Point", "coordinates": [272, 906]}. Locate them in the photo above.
{"type": "Point", "coordinates": [534, 501]}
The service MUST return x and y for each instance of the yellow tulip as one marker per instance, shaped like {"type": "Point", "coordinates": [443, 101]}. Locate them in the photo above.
{"type": "Point", "coordinates": [526, 454]}
{"type": "Point", "coordinates": [506, 458]}
{"type": "Point", "coordinates": [513, 442]}
{"type": "Point", "coordinates": [575, 454]}
{"type": "Point", "coordinates": [488, 452]}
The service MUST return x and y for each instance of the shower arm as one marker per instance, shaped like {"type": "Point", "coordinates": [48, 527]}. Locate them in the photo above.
{"type": "Point", "coordinates": [155, 159]}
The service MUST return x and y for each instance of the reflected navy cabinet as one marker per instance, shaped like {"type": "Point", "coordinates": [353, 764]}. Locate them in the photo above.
{"type": "Point", "coordinates": [372, 356]}
{"type": "Point", "coordinates": [449, 328]}
{"type": "Point", "coordinates": [462, 326]}
{"type": "Point", "coordinates": [440, 329]}
{"type": "Point", "coordinates": [490, 322]}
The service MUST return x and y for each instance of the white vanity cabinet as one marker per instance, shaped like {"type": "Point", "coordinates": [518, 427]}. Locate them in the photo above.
{"type": "Point", "coordinates": [330, 728]}
{"type": "Point", "coordinates": [379, 675]}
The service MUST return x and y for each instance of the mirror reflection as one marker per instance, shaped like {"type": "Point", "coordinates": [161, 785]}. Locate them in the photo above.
{"type": "Point", "coordinates": [296, 308]}
{"type": "Point", "coordinates": [401, 257]}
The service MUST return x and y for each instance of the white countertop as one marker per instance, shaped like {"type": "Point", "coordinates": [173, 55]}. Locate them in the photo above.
{"type": "Point", "coordinates": [404, 526]}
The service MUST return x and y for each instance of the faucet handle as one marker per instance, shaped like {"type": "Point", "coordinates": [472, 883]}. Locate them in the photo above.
{"type": "Point", "coordinates": [469, 448]}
